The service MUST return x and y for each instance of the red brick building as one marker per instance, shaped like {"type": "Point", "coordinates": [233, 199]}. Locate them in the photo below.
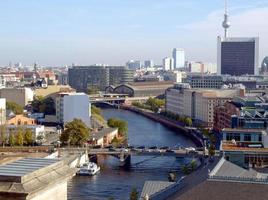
{"type": "Point", "coordinates": [223, 115]}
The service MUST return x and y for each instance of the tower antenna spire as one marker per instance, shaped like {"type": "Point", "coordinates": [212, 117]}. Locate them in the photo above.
{"type": "Point", "coordinates": [226, 23]}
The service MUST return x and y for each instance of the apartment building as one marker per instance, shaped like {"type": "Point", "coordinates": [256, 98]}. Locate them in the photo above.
{"type": "Point", "coordinates": [198, 104]}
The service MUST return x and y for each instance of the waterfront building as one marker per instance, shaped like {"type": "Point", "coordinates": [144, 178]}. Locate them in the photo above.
{"type": "Point", "coordinates": [248, 112]}
{"type": "Point", "coordinates": [204, 81]}
{"type": "Point", "coordinates": [73, 105]}
{"type": "Point", "coordinates": [221, 180]}
{"type": "Point", "coordinates": [179, 58]}
{"type": "Point", "coordinates": [21, 96]}
{"type": "Point", "coordinates": [103, 137]}
{"type": "Point", "coordinates": [143, 89]}
{"type": "Point", "coordinates": [148, 63]}
{"type": "Point", "coordinates": [168, 64]}
{"type": "Point", "coordinates": [198, 104]}
{"type": "Point", "coordinates": [238, 56]}
{"type": "Point", "coordinates": [83, 77]}
{"type": "Point", "coordinates": [35, 179]}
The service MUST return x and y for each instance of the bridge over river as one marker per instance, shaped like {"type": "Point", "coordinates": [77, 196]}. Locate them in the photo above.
{"type": "Point", "coordinates": [124, 154]}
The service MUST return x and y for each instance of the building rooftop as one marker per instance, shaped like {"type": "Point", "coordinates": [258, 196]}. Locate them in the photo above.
{"type": "Point", "coordinates": [21, 170]}
{"type": "Point", "coordinates": [228, 170]}
{"type": "Point", "coordinates": [152, 187]}
{"type": "Point", "coordinates": [232, 147]}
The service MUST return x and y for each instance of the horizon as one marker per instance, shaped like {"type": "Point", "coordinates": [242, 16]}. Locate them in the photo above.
{"type": "Point", "coordinates": [58, 33]}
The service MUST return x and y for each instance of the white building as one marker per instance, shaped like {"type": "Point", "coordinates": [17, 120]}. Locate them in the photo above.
{"type": "Point", "coordinates": [200, 67]}
{"type": "Point", "coordinates": [179, 58]}
{"type": "Point", "coordinates": [198, 104]}
{"type": "Point", "coordinates": [2, 111]}
{"type": "Point", "coordinates": [168, 64]}
{"type": "Point", "coordinates": [73, 105]}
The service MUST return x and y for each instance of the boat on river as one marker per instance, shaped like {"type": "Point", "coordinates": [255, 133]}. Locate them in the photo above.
{"type": "Point", "coordinates": [88, 169]}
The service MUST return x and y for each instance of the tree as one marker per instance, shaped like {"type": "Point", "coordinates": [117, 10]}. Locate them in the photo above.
{"type": "Point", "coordinates": [95, 110]}
{"type": "Point", "coordinates": [3, 135]}
{"type": "Point", "coordinates": [120, 124]}
{"type": "Point", "coordinates": [49, 106]}
{"type": "Point", "coordinates": [16, 108]}
{"type": "Point", "coordinates": [134, 194]}
{"type": "Point", "coordinates": [193, 165]}
{"type": "Point", "coordinates": [188, 121]}
{"type": "Point", "coordinates": [92, 90]}
{"type": "Point", "coordinates": [19, 137]}
{"type": "Point", "coordinates": [76, 132]}
{"type": "Point", "coordinates": [28, 137]}
{"type": "Point", "coordinates": [36, 103]}
{"type": "Point", "coordinates": [11, 139]}
{"type": "Point", "coordinates": [44, 105]}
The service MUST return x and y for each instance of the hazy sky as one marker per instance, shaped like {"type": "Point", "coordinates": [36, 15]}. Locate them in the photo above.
{"type": "Point", "coordinates": [59, 32]}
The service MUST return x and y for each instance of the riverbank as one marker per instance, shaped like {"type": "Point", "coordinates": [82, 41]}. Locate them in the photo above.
{"type": "Point", "coordinates": [192, 134]}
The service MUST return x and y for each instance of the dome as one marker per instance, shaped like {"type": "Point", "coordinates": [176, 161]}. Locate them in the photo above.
{"type": "Point", "coordinates": [264, 65]}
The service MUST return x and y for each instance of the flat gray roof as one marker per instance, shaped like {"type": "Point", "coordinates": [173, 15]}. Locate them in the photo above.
{"type": "Point", "coordinates": [152, 187]}
{"type": "Point", "coordinates": [24, 167]}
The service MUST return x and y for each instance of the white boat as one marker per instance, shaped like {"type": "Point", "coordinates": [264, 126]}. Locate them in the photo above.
{"type": "Point", "coordinates": [88, 169]}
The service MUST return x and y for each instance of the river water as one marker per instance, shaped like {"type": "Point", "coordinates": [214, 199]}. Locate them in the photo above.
{"type": "Point", "coordinates": [115, 182]}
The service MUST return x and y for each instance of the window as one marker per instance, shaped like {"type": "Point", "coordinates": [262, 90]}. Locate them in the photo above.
{"type": "Point", "coordinates": [247, 137]}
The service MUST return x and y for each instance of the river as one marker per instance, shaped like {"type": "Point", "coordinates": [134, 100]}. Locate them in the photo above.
{"type": "Point", "coordinates": [118, 183]}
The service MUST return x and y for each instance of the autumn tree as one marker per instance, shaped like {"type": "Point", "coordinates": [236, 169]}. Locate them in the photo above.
{"type": "Point", "coordinates": [75, 132]}
{"type": "Point", "coordinates": [28, 137]}
{"type": "Point", "coordinates": [19, 137]}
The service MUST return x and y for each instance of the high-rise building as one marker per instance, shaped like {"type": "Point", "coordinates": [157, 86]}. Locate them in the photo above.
{"type": "Point", "coordinates": [83, 77]}
{"type": "Point", "coordinates": [134, 64]}
{"type": "Point", "coordinates": [179, 58]}
{"type": "Point", "coordinates": [238, 56]}
{"type": "Point", "coordinates": [168, 64]}
{"type": "Point", "coordinates": [148, 63]}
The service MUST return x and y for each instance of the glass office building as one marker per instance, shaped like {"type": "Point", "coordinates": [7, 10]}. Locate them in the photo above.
{"type": "Point", "coordinates": [238, 56]}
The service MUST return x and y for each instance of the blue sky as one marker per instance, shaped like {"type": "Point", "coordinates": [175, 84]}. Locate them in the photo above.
{"type": "Point", "coordinates": [59, 32]}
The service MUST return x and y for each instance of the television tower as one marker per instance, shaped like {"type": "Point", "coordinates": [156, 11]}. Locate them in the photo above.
{"type": "Point", "coordinates": [226, 23]}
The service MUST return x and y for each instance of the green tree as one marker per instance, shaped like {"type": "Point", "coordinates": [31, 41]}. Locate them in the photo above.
{"type": "Point", "coordinates": [134, 194]}
{"type": "Point", "coordinates": [185, 169]}
{"type": "Point", "coordinates": [193, 165]}
{"type": "Point", "coordinates": [16, 108]}
{"type": "Point", "coordinates": [3, 135]}
{"type": "Point", "coordinates": [28, 137]}
{"type": "Point", "coordinates": [11, 139]}
{"type": "Point", "coordinates": [19, 137]}
{"type": "Point", "coordinates": [92, 90]}
{"type": "Point", "coordinates": [49, 105]}
{"type": "Point", "coordinates": [76, 132]}
{"type": "Point", "coordinates": [95, 110]}
{"type": "Point", "coordinates": [120, 124]}
{"type": "Point", "coordinates": [44, 105]}
{"type": "Point", "coordinates": [37, 103]}
{"type": "Point", "coordinates": [188, 121]}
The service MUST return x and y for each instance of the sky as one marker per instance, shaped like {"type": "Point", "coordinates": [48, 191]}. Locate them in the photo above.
{"type": "Point", "coordinates": [62, 32]}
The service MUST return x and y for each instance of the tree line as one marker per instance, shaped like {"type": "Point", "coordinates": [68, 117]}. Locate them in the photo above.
{"type": "Point", "coordinates": [17, 136]}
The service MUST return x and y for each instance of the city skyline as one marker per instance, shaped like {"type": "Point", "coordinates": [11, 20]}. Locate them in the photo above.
{"type": "Point", "coordinates": [112, 32]}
